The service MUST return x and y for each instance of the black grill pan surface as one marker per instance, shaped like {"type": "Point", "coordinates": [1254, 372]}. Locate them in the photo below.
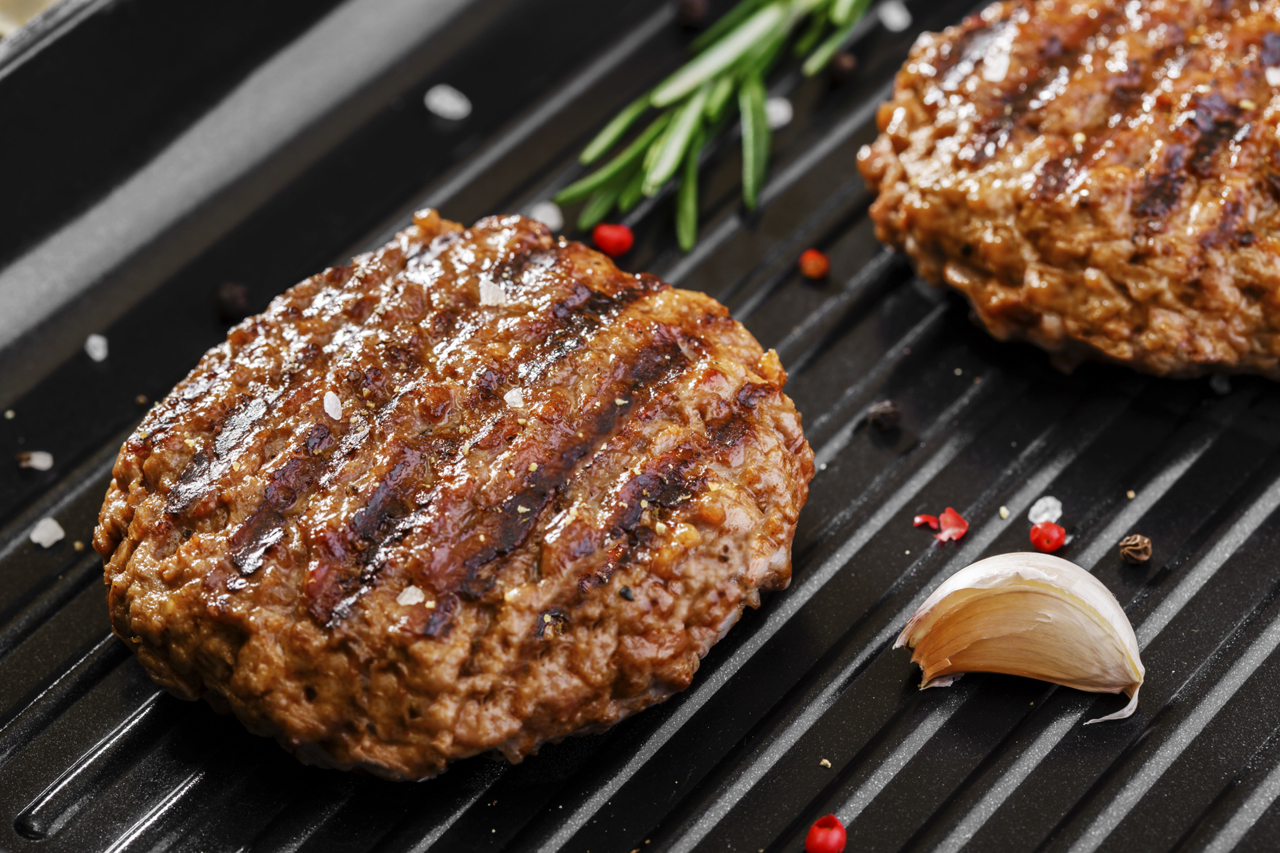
{"type": "Point", "coordinates": [803, 709]}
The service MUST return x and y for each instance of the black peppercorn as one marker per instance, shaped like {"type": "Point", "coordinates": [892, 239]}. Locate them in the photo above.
{"type": "Point", "coordinates": [231, 299]}
{"type": "Point", "coordinates": [842, 66]}
{"type": "Point", "coordinates": [1135, 549]}
{"type": "Point", "coordinates": [884, 415]}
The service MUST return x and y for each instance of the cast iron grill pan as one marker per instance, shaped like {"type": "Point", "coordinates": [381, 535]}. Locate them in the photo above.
{"type": "Point", "coordinates": [94, 757]}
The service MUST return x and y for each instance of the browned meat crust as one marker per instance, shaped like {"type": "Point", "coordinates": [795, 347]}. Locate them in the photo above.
{"type": "Point", "coordinates": [1100, 177]}
{"type": "Point", "coordinates": [530, 519]}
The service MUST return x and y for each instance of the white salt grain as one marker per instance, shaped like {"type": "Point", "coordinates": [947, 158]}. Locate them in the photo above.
{"type": "Point", "coordinates": [47, 532]}
{"type": "Point", "coordinates": [548, 213]}
{"type": "Point", "coordinates": [778, 112]}
{"type": "Point", "coordinates": [96, 346]}
{"type": "Point", "coordinates": [514, 398]}
{"type": "Point", "coordinates": [491, 293]}
{"type": "Point", "coordinates": [1220, 383]}
{"type": "Point", "coordinates": [1273, 76]}
{"type": "Point", "coordinates": [447, 102]}
{"type": "Point", "coordinates": [895, 16]}
{"type": "Point", "coordinates": [410, 596]}
{"type": "Point", "coordinates": [332, 405]}
{"type": "Point", "coordinates": [38, 460]}
{"type": "Point", "coordinates": [1048, 508]}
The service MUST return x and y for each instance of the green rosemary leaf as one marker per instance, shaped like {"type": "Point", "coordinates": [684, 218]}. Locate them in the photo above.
{"type": "Point", "coordinates": [687, 196]}
{"type": "Point", "coordinates": [761, 60]}
{"type": "Point", "coordinates": [721, 55]}
{"type": "Point", "coordinates": [817, 26]}
{"type": "Point", "coordinates": [721, 92]}
{"type": "Point", "coordinates": [598, 207]}
{"type": "Point", "coordinates": [674, 142]}
{"type": "Point", "coordinates": [822, 55]}
{"type": "Point", "coordinates": [755, 138]}
{"type": "Point", "coordinates": [728, 21]}
{"type": "Point", "coordinates": [844, 11]}
{"type": "Point", "coordinates": [629, 157]}
{"type": "Point", "coordinates": [613, 131]}
{"type": "Point", "coordinates": [631, 193]}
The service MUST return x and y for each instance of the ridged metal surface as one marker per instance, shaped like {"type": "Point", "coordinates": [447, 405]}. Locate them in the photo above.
{"type": "Point", "coordinates": [94, 757]}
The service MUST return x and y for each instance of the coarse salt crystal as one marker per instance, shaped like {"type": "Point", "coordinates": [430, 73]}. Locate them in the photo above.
{"type": "Point", "coordinates": [514, 398]}
{"type": "Point", "coordinates": [410, 595]}
{"type": "Point", "coordinates": [332, 405]}
{"type": "Point", "coordinates": [1048, 508]}
{"type": "Point", "coordinates": [778, 112]}
{"type": "Point", "coordinates": [995, 65]}
{"type": "Point", "coordinates": [447, 102]}
{"type": "Point", "coordinates": [47, 532]}
{"type": "Point", "coordinates": [1273, 76]}
{"type": "Point", "coordinates": [1004, 512]}
{"type": "Point", "coordinates": [37, 460]}
{"type": "Point", "coordinates": [96, 346]}
{"type": "Point", "coordinates": [895, 16]}
{"type": "Point", "coordinates": [548, 213]}
{"type": "Point", "coordinates": [491, 293]}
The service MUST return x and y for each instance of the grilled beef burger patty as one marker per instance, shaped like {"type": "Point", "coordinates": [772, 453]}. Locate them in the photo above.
{"type": "Point", "coordinates": [1099, 177]}
{"type": "Point", "coordinates": [478, 490]}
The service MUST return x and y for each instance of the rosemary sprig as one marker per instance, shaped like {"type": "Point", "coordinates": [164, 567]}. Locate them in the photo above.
{"type": "Point", "coordinates": [732, 57]}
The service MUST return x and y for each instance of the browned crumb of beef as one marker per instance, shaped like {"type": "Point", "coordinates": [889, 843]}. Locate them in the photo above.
{"type": "Point", "coordinates": [1101, 178]}
{"type": "Point", "coordinates": [478, 490]}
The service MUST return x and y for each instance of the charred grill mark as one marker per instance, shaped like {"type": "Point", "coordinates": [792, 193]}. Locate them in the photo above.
{"type": "Point", "coordinates": [728, 431]}
{"type": "Point", "coordinates": [190, 486]}
{"type": "Point", "coordinates": [1270, 53]}
{"type": "Point", "coordinates": [1162, 187]}
{"type": "Point", "coordinates": [372, 525]}
{"type": "Point", "coordinates": [1228, 231]}
{"type": "Point", "coordinates": [1213, 122]}
{"type": "Point", "coordinates": [441, 619]}
{"type": "Point", "coordinates": [358, 555]}
{"type": "Point", "coordinates": [288, 484]}
{"type": "Point", "coordinates": [666, 485]}
{"type": "Point", "coordinates": [660, 359]}
{"type": "Point", "coordinates": [752, 392]}
{"type": "Point", "coordinates": [574, 318]}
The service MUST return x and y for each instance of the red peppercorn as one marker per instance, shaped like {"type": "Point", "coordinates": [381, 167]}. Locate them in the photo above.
{"type": "Point", "coordinates": [1048, 537]}
{"type": "Point", "coordinates": [827, 835]}
{"type": "Point", "coordinates": [953, 526]}
{"type": "Point", "coordinates": [814, 264]}
{"type": "Point", "coordinates": [613, 240]}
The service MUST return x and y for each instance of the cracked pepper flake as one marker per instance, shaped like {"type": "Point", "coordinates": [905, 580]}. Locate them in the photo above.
{"type": "Point", "coordinates": [514, 398]}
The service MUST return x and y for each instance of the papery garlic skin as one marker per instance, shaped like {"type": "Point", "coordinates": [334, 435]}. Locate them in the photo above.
{"type": "Point", "coordinates": [1027, 614]}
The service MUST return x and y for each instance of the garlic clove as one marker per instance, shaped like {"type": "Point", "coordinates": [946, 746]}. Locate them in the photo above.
{"type": "Point", "coordinates": [1027, 614]}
